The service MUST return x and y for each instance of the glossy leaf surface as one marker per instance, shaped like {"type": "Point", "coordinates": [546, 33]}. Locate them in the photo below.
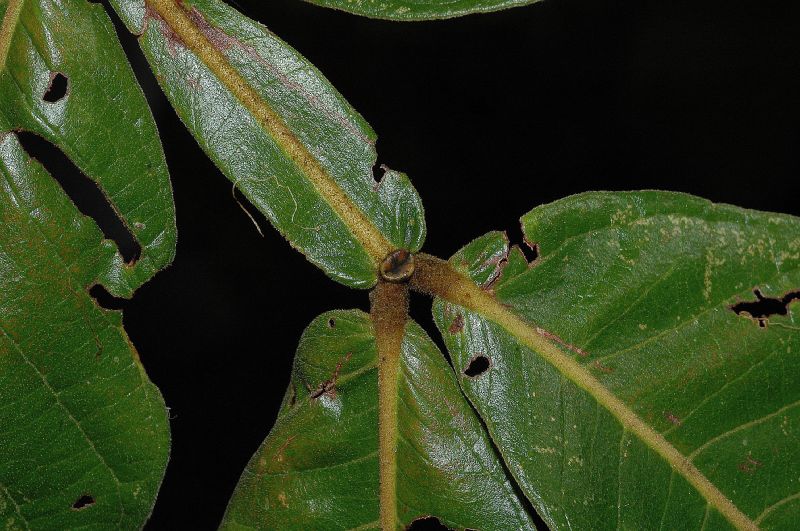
{"type": "Point", "coordinates": [84, 433]}
{"type": "Point", "coordinates": [301, 154]}
{"type": "Point", "coordinates": [99, 119]}
{"type": "Point", "coordinates": [625, 388]}
{"type": "Point", "coordinates": [419, 9]}
{"type": "Point", "coordinates": [318, 468]}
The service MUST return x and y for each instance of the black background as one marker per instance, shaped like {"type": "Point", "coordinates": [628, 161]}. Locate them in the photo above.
{"type": "Point", "coordinates": [490, 115]}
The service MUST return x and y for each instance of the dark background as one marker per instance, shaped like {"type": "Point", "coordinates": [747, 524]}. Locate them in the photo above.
{"type": "Point", "coordinates": [490, 115]}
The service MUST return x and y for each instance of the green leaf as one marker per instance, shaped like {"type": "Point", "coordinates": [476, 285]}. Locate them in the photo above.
{"type": "Point", "coordinates": [625, 388]}
{"type": "Point", "coordinates": [301, 154]}
{"type": "Point", "coordinates": [85, 435]}
{"type": "Point", "coordinates": [318, 468]}
{"type": "Point", "coordinates": [102, 122]}
{"type": "Point", "coordinates": [410, 10]}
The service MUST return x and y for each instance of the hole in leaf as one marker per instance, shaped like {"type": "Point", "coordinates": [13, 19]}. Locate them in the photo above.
{"type": "Point", "coordinates": [427, 523]}
{"type": "Point", "coordinates": [331, 323]}
{"type": "Point", "coordinates": [106, 300]}
{"type": "Point", "coordinates": [530, 250]}
{"type": "Point", "coordinates": [517, 237]}
{"type": "Point", "coordinates": [764, 307]}
{"type": "Point", "coordinates": [83, 192]}
{"type": "Point", "coordinates": [479, 365]}
{"type": "Point", "coordinates": [83, 502]}
{"type": "Point", "coordinates": [378, 170]}
{"type": "Point", "coordinates": [57, 88]}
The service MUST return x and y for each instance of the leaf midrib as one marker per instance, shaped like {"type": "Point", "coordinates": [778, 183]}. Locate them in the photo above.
{"type": "Point", "coordinates": [7, 29]}
{"type": "Point", "coordinates": [364, 231]}
{"type": "Point", "coordinates": [454, 287]}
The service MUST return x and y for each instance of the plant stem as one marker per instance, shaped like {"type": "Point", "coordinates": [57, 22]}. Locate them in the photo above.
{"type": "Point", "coordinates": [389, 314]}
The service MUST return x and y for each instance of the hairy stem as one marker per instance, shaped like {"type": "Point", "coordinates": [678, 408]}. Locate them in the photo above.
{"type": "Point", "coordinates": [389, 314]}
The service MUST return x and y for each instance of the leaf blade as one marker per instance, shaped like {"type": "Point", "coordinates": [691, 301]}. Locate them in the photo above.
{"type": "Point", "coordinates": [120, 151]}
{"type": "Point", "coordinates": [304, 157]}
{"type": "Point", "coordinates": [435, 460]}
{"type": "Point", "coordinates": [613, 244]}
{"type": "Point", "coordinates": [86, 435]}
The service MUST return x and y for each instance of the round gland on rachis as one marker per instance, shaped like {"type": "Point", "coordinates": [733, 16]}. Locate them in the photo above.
{"type": "Point", "coordinates": [398, 266]}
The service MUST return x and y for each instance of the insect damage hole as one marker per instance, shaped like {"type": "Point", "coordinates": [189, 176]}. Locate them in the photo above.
{"type": "Point", "coordinates": [763, 307]}
{"type": "Point", "coordinates": [479, 365]}
{"type": "Point", "coordinates": [106, 300]}
{"type": "Point", "coordinates": [427, 523]}
{"type": "Point", "coordinates": [85, 193]}
{"type": "Point", "coordinates": [57, 88]}
{"type": "Point", "coordinates": [83, 502]}
{"type": "Point", "coordinates": [517, 237]}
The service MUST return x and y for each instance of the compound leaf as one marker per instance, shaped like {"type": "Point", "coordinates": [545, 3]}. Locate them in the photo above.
{"type": "Point", "coordinates": [631, 377]}
{"type": "Point", "coordinates": [318, 468]}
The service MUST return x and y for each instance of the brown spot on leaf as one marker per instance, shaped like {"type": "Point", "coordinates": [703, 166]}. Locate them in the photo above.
{"type": "Point", "coordinates": [497, 262]}
{"type": "Point", "coordinates": [749, 465]}
{"type": "Point", "coordinates": [279, 455]}
{"type": "Point", "coordinates": [218, 38]}
{"type": "Point", "coordinates": [602, 368]}
{"type": "Point", "coordinates": [672, 418]}
{"type": "Point", "coordinates": [172, 39]}
{"type": "Point", "coordinates": [328, 387]}
{"type": "Point", "coordinates": [457, 325]}
{"type": "Point", "coordinates": [194, 82]}
{"type": "Point", "coordinates": [551, 336]}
